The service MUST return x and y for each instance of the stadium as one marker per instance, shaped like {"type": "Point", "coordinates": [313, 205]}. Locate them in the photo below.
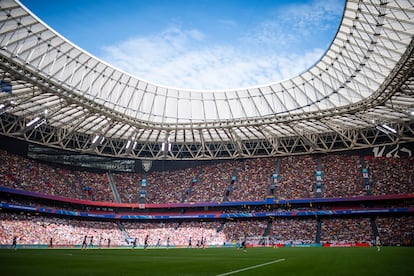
{"type": "Point", "coordinates": [314, 174]}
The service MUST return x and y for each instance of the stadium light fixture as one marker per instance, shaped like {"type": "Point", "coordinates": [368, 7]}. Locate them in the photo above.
{"type": "Point", "coordinates": [42, 122]}
{"type": "Point", "coordinates": [386, 129]}
{"type": "Point", "coordinates": [169, 143]}
{"type": "Point", "coordinates": [97, 140]}
{"type": "Point", "coordinates": [383, 130]}
{"type": "Point", "coordinates": [36, 121]}
{"type": "Point", "coordinates": [33, 121]}
{"type": "Point", "coordinates": [389, 128]}
{"type": "Point", "coordinates": [130, 145]}
{"type": "Point", "coordinates": [166, 146]}
{"type": "Point", "coordinates": [4, 107]}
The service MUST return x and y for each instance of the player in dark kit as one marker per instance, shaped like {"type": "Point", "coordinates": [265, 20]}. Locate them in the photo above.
{"type": "Point", "coordinates": [243, 245]}
{"type": "Point", "coordinates": [84, 244]}
{"type": "Point", "coordinates": [51, 242]}
{"type": "Point", "coordinates": [146, 242]}
{"type": "Point", "coordinates": [91, 242]}
{"type": "Point", "coordinates": [14, 243]}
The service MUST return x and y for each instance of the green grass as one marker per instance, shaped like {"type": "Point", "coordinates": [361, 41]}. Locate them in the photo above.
{"type": "Point", "coordinates": [213, 261]}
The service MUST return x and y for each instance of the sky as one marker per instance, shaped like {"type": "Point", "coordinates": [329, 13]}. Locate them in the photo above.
{"type": "Point", "coordinates": [198, 44]}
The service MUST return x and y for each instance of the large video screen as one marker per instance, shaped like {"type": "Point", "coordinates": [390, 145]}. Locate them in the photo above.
{"type": "Point", "coordinates": [80, 160]}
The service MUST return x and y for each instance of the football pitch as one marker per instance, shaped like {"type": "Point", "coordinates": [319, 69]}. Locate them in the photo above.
{"type": "Point", "coordinates": [210, 261]}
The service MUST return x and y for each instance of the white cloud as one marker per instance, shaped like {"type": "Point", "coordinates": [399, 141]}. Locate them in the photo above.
{"type": "Point", "coordinates": [182, 58]}
{"type": "Point", "coordinates": [296, 25]}
{"type": "Point", "coordinates": [171, 61]}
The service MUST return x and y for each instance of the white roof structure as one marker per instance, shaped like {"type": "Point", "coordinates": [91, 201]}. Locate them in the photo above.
{"type": "Point", "coordinates": [359, 94]}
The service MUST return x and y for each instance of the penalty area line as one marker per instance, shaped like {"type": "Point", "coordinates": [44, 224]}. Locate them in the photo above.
{"type": "Point", "coordinates": [251, 267]}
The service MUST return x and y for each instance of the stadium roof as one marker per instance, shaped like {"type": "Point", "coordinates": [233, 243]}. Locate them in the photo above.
{"type": "Point", "coordinates": [358, 95]}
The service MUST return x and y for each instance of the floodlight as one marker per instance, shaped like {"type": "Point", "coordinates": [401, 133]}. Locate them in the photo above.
{"type": "Point", "coordinates": [389, 128]}
{"type": "Point", "coordinates": [32, 122]}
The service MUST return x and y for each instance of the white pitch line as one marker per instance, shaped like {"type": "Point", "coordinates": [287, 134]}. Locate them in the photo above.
{"type": "Point", "coordinates": [250, 267]}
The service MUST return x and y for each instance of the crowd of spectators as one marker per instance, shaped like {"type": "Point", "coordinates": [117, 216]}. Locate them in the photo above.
{"type": "Point", "coordinates": [26, 174]}
{"type": "Point", "coordinates": [253, 180]}
{"type": "Point", "coordinates": [95, 185]}
{"type": "Point", "coordinates": [213, 182]}
{"type": "Point", "coordinates": [236, 230]}
{"type": "Point", "coordinates": [296, 177]}
{"type": "Point", "coordinates": [396, 230]}
{"type": "Point", "coordinates": [35, 229]}
{"type": "Point", "coordinates": [293, 231]}
{"type": "Point", "coordinates": [347, 230]}
{"type": "Point", "coordinates": [391, 175]}
{"type": "Point", "coordinates": [246, 180]}
{"type": "Point", "coordinates": [161, 234]}
{"type": "Point", "coordinates": [161, 186]}
{"type": "Point", "coordinates": [342, 176]}
{"type": "Point", "coordinates": [39, 230]}
{"type": "Point", "coordinates": [170, 186]}
{"type": "Point", "coordinates": [128, 186]}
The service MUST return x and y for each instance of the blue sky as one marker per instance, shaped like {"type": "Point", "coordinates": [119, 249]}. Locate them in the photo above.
{"type": "Point", "coordinates": [198, 44]}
